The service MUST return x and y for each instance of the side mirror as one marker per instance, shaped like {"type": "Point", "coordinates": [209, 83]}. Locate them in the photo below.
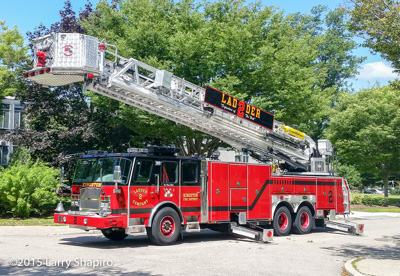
{"type": "Point", "coordinates": [117, 174]}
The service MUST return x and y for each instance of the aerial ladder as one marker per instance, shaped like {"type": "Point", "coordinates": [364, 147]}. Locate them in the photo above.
{"type": "Point", "coordinates": [66, 58]}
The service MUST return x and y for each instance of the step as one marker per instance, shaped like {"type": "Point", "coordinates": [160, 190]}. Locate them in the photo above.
{"type": "Point", "coordinates": [356, 229]}
{"type": "Point", "coordinates": [266, 235]}
{"type": "Point", "coordinates": [192, 227]}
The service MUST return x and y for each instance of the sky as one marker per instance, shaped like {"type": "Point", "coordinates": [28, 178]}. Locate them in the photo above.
{"type": "Point", "coordinates": [28, 14]}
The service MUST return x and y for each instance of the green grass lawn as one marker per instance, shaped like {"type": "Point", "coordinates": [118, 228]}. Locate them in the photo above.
{"type": "Point", "coordinates": [47, 221]}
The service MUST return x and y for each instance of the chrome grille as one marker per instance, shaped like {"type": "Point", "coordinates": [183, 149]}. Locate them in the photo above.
{"type": "Point", "coordinates": [90, 199]}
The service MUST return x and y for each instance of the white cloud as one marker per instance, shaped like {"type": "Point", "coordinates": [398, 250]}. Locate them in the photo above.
{"type": "Point", "coordinates": [376, 70]}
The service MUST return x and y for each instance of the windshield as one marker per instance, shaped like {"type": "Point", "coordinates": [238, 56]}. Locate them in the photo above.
{"type": "Point", "coordinates": [101, 169]}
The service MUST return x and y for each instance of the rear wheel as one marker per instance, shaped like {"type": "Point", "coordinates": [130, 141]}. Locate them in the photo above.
{"type": "Point", "coordinates": [166, 227]}
{"type": "Point", "coordinates": [282, 221]}
{"type": "Point", "coordinates": [304, 221]}
{"type": "Point", "coordinates": [113, 235]}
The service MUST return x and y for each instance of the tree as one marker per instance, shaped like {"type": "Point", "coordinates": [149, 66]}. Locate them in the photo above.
{"type": "Point", "coordinates": [13, 60]}
{"type": "Point", "coordinates": [351, 174]}
{"type": "Point", "coordinates": [247, 50]}
{"type": "Point", "coordinates": [61, 121]}
{"type": "Point", "coordinates": [365, 129]}
{"type": "Point", "coordinates": [378, 22]}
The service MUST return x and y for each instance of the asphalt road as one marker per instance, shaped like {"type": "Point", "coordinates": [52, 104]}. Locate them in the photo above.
{"type": "Point", "coordinates": [38, 250]}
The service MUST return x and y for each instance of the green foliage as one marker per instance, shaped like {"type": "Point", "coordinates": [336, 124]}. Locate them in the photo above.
{"type": "Point", "coordinates": [370, 201]}
{"type": "Point", "coordinates": [351, 174]}
{"type": "Point", "coordinates": [13, 58]}
{"type": "Point", "coordinates": [356, 199]}
{"type": "Point", "coordinates": [28, 187]}
{"type": "Point", "coordinates": [365, 127]}
{"type": "Point", "coordinates": [378, 21]}
{"type": "Point", "coordinates": [395, 192]}
{"type": "Point", "coordinates": [290, 65]}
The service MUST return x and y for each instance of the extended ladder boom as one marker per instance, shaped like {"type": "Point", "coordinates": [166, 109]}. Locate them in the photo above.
{"type": "Point", "coordinates": [65, 58]}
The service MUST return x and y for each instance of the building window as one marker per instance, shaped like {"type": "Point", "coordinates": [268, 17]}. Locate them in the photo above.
{"type": "Point", "coordinates": [5, 122]}
{"type": "Point", "coordinates": [17, 119]}
{"type": "Point", "coordinates": [4, 155]}
{"type": "Point", "coordinates": [242, 157]}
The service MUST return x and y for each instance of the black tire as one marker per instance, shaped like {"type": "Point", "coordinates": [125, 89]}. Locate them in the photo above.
{"type": "Point", "coordinates": [282, 221]}
{"type": "Point", "coordinates": [114, 235]}
{"type": "Point", "coordinates": [166, 227]}
{"type": "Point", "coordinates": [304, 221]}
{"type": "Point", "coordinates": [149, 235]}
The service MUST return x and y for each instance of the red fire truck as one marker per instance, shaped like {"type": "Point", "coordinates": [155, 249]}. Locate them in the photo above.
{"type": "Point", "coordinates": [153, 190]}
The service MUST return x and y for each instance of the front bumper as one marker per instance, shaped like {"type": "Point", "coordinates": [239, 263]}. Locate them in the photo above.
{"type": "Point", "coordinates": [92, 221]}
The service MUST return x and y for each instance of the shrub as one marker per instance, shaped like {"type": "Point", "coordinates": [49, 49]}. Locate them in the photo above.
{"type": "Point", "coordinates": [356, 199]}
{"type": "Point", "coordinates": [395, 192]}
{"type": "Point", "coordinates": [380, 201]}
{"type": "Point", "coordinates": [383, 201]}
{"type": "Point", "coordinates": [28, 187]}
{"type": "Point", "coordinates": [368, 200]}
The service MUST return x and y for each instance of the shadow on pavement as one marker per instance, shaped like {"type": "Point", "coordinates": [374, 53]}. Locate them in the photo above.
{"type": "Point", "coordinates": [100, 242]}
{"type": "Point", "coordinates": [6, 269]}
{"type": "Point", "coordinates": [389, 250]}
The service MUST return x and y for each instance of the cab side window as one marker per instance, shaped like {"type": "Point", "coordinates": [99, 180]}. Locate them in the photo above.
{"type": "Point", "coordinates": [143, 171]}
{"type": "Point", "coordinates": [190, 173]}
{"type": "Point", "coordinates": [170, 172]}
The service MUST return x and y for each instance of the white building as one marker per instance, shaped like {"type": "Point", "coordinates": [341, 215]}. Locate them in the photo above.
{"type": "Point", "coordinates": [232, 155]}
{"type": "Point", "coordinates": [11, 119]}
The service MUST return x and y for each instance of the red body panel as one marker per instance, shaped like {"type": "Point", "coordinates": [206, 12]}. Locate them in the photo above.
{"type": "Point", "coordinates": [218, 194]}
{"type": "Point", "coordinates": [238, 175]}
{"type": "Point", "coordinates": [339, 197]}
{"type": "Point", "coordinates": [238, 199]}
{"type": "Point", "coordinates": [232, 188]}
{"type": "Point", "coordinates": [326, 194]}
{"type": "Point", "coordinates": [282, 185]}
{"type": "Point", "coordinates": [259, 192]}
{"type": "Point", "coordinates": [92, 221]}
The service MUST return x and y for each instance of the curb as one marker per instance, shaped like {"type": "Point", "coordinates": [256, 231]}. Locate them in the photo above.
{"type": "Point", "coordinates": [348, 267]}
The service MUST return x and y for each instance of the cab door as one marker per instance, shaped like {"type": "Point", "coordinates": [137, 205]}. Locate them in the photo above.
{"type": "Point", "coordinates": [190, 199]}
{"type": "Point", "coordinates": [169, 186]}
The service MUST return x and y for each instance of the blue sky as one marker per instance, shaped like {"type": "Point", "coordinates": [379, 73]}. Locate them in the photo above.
{"type": "Point", "coordinates": [28, 14]}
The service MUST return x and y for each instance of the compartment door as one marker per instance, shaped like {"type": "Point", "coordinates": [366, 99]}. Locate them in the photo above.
{"type": "Point", "coordinates": [218, 194]}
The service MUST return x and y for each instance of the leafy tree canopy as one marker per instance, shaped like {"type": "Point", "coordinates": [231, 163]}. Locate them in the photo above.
{"type": "Point", "coordinates": [13, 59]}
{"type": "Point", "coordinates": [290, 65]}
{"type": "Point", "coordinates": [378, 22]}
{"type": "Point", "coordinates": [365, 129]}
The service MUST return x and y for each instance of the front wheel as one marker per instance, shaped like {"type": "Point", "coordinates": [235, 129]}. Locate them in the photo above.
{"type": "Point", "coordinates": [166, 227]}
{"type": "Point", "coordinates": [118, 235]}
{"type": "Point", "coordinates": [304, 221]}
{"type": "Point", "coordinates": [282, 221]}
